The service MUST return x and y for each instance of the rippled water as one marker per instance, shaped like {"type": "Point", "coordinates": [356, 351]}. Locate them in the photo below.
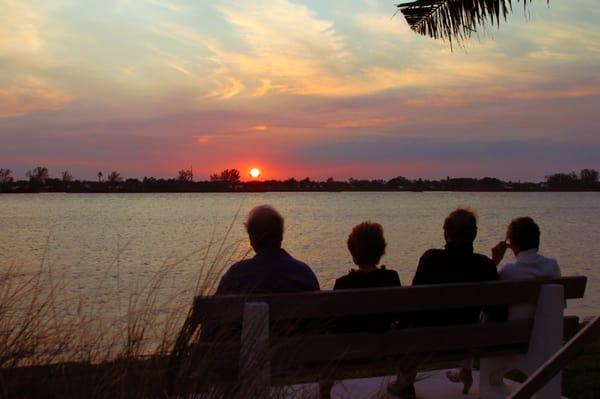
{"type": "Point", "coordinates": [98, 245]}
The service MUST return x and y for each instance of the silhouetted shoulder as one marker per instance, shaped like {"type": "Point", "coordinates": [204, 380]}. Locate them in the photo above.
{"type": "Point", "coordinates": [487, 270]}
{"type": "Point", "coordinates": [344, 282]}
{"type": "Point", "coordinates": [310, 281]}
{"type": "Point", "coordinates": [375, 279]}
{"type": "Point", "coordinates": [301, 265]}
{"type": "Point", "coordinates": [238, 266]}
{"type": "Point", "coordinates": [432, 254]}
{"type": "Point", "coordinates": [483, 259]}
{"type": "Point", "coordinates": [428, 263]}
{"type": "Point", "coordinates": [391, 276]}
{"type": "Point", "coordinates": [230, 282]}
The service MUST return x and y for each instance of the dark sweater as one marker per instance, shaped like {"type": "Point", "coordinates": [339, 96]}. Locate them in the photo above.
{"type": "Point", "coordinates": [454, 264]}
{"type": "Point", "coordinates": [269, 271]}
{"type": "Point", "coordinates": [375, 279]}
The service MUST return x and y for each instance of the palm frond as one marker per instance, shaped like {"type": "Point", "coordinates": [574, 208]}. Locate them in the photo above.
{"type": "Point", "coordinates": [454, 20]}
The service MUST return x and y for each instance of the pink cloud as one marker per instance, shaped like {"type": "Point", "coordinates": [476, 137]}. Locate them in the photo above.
{"type": "Point", "coordinates": [358, 123]}
{"type": "Point", "coordinates": [21, 100]}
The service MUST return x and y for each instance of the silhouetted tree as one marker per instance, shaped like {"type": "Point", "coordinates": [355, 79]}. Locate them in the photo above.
{"type": "Point", "coordinates": [562, 180]}
{"type": "Point", "coordinates": [185, 175]}
{"type": "Point", "coordinates": [399, 181]}
{"type": "Point", "coordinates": [38, 174]}
{"type": "Point", "coordinates": [114, 177]}
{"type": "Point", "coordinates": [462, 183]}
{"type": "Point", "coordinates": [588, 176]}
{"type": "Point", "coordinates": [491, 182]}
{"type": "Point", "coordinates": [228, 175]}
{"type": "Point", "coordinates": [66, 177]}
{"type": "Point", "coordinates": [6, 176]}
{"type": "Point", "coordinates": [100, 176]}
{"type": "Point", "coordinates": [361, 183]}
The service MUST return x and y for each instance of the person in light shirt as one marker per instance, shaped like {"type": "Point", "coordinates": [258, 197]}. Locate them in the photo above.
{"type": "Point", "coordinates": [523, 238]}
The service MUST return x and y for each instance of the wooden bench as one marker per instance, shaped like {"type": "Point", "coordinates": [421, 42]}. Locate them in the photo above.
{"type": "Point", "coordinates": [260, 357]}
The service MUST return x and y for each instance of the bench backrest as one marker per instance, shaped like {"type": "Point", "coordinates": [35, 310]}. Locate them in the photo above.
{"type": "Point", "coordinates": [324, 304]}
{"type": "Point", "coordinates": [306, 355]}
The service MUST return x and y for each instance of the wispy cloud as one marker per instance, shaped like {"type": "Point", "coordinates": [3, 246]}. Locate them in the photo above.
{"type": "Point", "coordinates": [357, 123]}
{"type": "Point", "coordinates": [168, 5]}
{"type": "Point", "coordinates": [23, 27]}
{"type": "Point", "coordinates": [280, 56]}
{"type": "Point", "coordinates": [31, 96]}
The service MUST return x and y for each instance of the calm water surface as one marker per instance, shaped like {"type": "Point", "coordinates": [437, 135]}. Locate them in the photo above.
{"type": "Point", "coordinates": [101, 247]}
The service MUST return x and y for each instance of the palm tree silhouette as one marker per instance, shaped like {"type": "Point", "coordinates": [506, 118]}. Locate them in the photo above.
{"type": "Point", "coordinates": [454, 20]}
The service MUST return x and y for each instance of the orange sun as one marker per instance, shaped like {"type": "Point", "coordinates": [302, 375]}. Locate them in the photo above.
{"type": "Point", "coordinates": [255, 173]}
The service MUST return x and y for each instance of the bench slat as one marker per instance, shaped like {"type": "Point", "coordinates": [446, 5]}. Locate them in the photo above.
{"type": "Point", "coordinates": [290, 356]}
{"type": "Point", "coordinates": [327, 352]}
{"type": "Point", "coordinates": [229, 309]}
{"type": "Point", "coordinates": [429, 341]}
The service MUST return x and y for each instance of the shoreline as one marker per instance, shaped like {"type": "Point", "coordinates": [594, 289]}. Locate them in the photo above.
{"type": "Point", "coordinates": [290, 190]}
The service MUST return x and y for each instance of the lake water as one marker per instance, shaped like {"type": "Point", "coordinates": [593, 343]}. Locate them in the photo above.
{"type": "Point", "coordinates": [103, 247]}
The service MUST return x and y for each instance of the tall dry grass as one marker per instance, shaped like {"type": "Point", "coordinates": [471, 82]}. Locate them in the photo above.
{"type": "Point", "coordinates": [52, 345]}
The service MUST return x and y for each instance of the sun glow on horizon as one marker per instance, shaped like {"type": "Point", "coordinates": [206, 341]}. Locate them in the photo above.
{"type": "Point", "coordinates": [255, 173]}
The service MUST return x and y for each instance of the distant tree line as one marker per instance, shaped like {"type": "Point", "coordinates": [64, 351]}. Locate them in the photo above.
{"type": "Point", "coordinates": [229, 180]}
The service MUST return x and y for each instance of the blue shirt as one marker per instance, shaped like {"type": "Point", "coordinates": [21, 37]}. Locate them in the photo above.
{"type": "Point", "coordinates": [271, 270]}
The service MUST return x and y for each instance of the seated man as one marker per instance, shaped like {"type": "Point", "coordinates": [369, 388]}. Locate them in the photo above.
{"type": "Point", "coordinates": [272, 269]}
{"type": "Point", "coordinates": [456, 263]}
{"type": "Point", "coordinates": [523, 238]}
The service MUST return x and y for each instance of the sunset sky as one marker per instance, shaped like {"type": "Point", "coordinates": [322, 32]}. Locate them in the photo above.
{"type": "Point", "coordinates": [296, 87]}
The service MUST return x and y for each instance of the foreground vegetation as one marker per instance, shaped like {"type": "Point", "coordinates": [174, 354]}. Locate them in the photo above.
{"type": "Point", "coordinates": [581, 379]}
{"type": "Point", "coordinates": [103, 344]}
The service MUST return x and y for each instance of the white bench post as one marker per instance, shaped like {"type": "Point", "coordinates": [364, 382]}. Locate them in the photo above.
{"type": "Point", "coordinates": [546, 339]}
{"type": "Point", "coordinates": [255, 369]}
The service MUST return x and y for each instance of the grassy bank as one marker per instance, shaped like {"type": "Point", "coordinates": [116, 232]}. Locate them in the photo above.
{"type": "Point", "coordinates": [101, 336]}
{"type": "Point", "coordinates": [581, 379]}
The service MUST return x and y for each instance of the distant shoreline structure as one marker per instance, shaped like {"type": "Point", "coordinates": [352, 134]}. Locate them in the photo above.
{"type": "Point", "coordinates": [297, 191]}
{"type": "Point", "coordinates": [167, 186]}
{"type": "Point", "coordinates": [229, 181]}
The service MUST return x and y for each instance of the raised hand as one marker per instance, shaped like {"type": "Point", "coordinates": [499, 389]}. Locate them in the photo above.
{"type": "Point", "coordinates": [498, 252]}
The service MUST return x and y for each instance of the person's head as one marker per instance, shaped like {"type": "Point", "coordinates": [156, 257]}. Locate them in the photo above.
{"type": "Point", "coordinates": [460, 227]}
{"type": "Point", "coordinates": [366, 244]}
{"type": "Point", "coordinates": [523, 234]}
{"type": "Point", "coordinates": [265, 228]}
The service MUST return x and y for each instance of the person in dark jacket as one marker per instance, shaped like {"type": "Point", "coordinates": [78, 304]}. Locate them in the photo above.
{"type": "Point", "coordinates": [456, 263]}
{"type": "Point", "coordinates": [272, 269]}
{"type": "Point", "coordinates": [366, 244]}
